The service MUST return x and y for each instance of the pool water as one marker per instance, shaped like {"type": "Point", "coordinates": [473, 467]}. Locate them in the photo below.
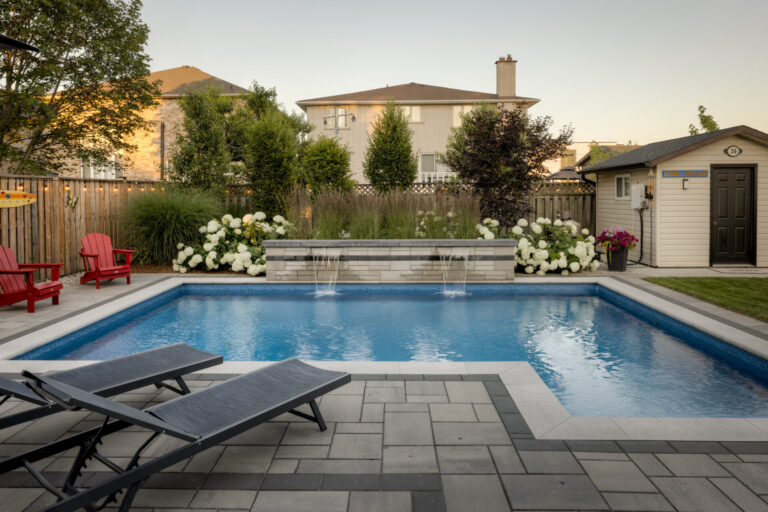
{"type": "Point", "coordinates": [599, 352]}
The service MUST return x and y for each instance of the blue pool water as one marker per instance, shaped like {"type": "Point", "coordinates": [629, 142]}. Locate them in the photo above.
{"type": "Point", "coordinates": [600, 353]}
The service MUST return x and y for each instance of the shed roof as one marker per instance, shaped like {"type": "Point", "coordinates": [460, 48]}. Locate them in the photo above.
{"type": "Point", "coordinates": [184, 79]}
{"type": "Point", "coordinates": [658, 152]}
{"type": "Point", "coordinates": [566, 173]}
{"type": "Point", "coordinates": [414, 93]}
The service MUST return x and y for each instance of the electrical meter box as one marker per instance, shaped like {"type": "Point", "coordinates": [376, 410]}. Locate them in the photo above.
{"type": "Point", "coordinates": [637, 194]}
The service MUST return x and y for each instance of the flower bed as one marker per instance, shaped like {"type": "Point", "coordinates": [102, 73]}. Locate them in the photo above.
{"type": "Point", "coordinates": [546, 246]}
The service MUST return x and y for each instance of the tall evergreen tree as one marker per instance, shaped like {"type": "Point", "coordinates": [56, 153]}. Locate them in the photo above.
{"type": "Point", "coordinates": [389, 160]}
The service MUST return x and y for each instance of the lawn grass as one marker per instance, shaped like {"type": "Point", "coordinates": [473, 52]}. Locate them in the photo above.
{"type": "Point", "coordinates": [745, 295]}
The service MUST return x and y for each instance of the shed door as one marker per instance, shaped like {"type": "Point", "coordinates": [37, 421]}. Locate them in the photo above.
{"type": "Point", "coordinates": [733, 216]}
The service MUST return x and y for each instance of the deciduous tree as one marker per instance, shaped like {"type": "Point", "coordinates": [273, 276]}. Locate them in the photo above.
{"type": "Point", "coordinates": [389, 160]}
{"type": "Point", "coordinates": [707, 123]}
{"type": "Point", "coordinates": [82, 95]}
{"type": "Point", "coordinates": [324, 166]}
{"type": "Point", "coordinates": [501, 154]}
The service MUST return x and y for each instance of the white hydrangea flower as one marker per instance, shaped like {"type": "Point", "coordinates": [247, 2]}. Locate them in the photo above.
{"type": "Point", "coordinates": [488, 235]}
{"type": "Point", "coordinates": [235, 223]}
{"type": "Point", "coordinates": [523, 243]}
{"type": "Point", "coordinates": [487, 220]}
{"type": "Point", "coordinates": [558, 222]}
{"type": "Point", "coordinates": [529, 269]}
{"type": "Point", "coordinates": [176, 267]}
{"type": "Point", "coordinates": [183, 270]}
{"type": "Point", "coordinates": [536, 228]}
{"type": "Point", "coordinates": [564, 272]}
{"type": "Point", "coordinates": [247, 218]}
{"type": "Point", "coordinates": [213, 226]}
{"type": "Point", "coordinates": [541, 272]}
{"type": "Point", "coordinates": [179, 246]}
{"type": "Point", "coordinates": [226, 219]}
{"type": "Point", "coordinates": [594, 265]}
{"type": "Point", "coordinates": [242, 248]}
{"type": "Point", "coordinates": [280, 230]}
{"type": "Point", "coordinates": [278, 218]}
{"type": "Point", "coordinates": [253, 270]}
{"type": "Point", "coordinates": [238, 231]}
{"type": "Point", "coordinates": [574, 266]}
{"type": "Point", "coordinates": [181, 257]}
{"type": "Point", "coordinates": [208, 246]}
{"type": "Point", "coordinates": [222, 233]}
{"type": "Point", "coordinates": [542, 244]}
{"type": "Point", "coordinates": [517, 230]}
{"type": "Point", "coordinates": [237, 265]}
{"type": "Point", "coordinates": [494, 223]}
{"type": "Point", "coordinates": [259, 215]}
{"type": "Point", "coordinates": [188, 251]}
{"type": "Point", "coordinates": [591, 239]}
{"type": "Point", "coordinates": [585, 231]}
{"type": "Point", "coordinates": [522, 223]}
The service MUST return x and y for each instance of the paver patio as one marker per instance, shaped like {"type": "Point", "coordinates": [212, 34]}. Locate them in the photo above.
{"type": "Point", "coordinates": [424, 452]}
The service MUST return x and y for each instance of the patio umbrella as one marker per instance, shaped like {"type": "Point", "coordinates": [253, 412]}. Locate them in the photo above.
{"type": "Point", "coordinates": [8, 43]}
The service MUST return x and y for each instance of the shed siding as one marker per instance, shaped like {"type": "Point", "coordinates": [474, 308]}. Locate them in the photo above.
{"type": "Point", "coordinates": [684, 215]}
{"type": "Point", "coordinates": [619, 212]}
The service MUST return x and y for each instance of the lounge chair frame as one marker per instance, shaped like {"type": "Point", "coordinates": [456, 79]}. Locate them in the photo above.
{"type": "Point", "coordinates": [131, 477]}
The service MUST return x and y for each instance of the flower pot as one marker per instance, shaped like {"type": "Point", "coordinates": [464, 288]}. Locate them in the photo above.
{"type": "Point", "coordinates": [617, 260]}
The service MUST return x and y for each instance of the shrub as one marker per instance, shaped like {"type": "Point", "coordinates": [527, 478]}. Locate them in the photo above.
{"type": "Point", "coordinates": [325, 166]}
{"type": "Point", "coordinates": [545, 246]}
{"type": "Point", "coordinates": [230, 242]}
{"type": "Point", "coordinates": [389, 161]}
{"type": "Point", "coordinates": [156, 222]}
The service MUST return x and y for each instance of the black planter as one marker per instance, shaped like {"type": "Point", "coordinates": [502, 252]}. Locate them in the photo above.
{"type": "Point", "coordinates": [617, 260]}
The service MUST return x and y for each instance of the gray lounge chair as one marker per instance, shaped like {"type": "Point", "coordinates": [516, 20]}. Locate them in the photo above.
{"type": "Point", "coordinates": [113, 377]}
{"type": "Point", "coordinates": [203, 419]}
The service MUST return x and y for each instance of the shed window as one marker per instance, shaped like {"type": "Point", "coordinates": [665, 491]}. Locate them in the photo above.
{"type": "Point", "coordinates": [622, 186]}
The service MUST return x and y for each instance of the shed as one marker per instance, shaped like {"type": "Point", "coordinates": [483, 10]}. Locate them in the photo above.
{"type": "Point", "coordinates": [695, 201]}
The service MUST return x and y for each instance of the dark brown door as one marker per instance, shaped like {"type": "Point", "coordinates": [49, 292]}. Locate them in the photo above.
{"type": "Point", "coordinates": [733, 215]}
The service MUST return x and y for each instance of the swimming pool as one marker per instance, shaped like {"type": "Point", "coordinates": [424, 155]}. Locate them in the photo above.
{"type": "Point", "coordinates": [601, 353]}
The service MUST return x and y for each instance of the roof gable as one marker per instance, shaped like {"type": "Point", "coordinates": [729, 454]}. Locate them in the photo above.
{"type": "Point", "coordinates": [412, 92]}
{"type": "Point", "coordinates": [655, 153]}
{"type": "Point", "coordinates": [184, 79]}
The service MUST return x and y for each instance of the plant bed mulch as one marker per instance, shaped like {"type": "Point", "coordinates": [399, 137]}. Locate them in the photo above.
{"type": "Point", "coordinates": [168, 269]}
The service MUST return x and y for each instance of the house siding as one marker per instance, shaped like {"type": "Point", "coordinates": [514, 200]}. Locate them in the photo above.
{"type": "Point", "coordinates": [619, 212]}
{"type": "Point", "coordinates": [684, 215]}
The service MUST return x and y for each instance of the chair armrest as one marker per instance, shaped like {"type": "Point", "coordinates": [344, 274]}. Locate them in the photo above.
{"type": "Point", "coordinates": [124, 251]}
{"type": "Point", "coordinates": [40, 265]}
{"type": "Point", "coordinates": [88, 255]}
{"type": "Point", "coordinates": [20, 271]}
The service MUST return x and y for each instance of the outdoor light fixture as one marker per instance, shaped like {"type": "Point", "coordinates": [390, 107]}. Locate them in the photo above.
{"type": "Point", "coordinates": [685, 183]}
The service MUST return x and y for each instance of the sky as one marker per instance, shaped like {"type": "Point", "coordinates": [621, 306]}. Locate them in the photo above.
{"type": "Point", "coordinates": [616, 71]}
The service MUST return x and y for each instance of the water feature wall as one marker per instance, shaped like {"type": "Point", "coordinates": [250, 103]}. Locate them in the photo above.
{"type": "Point", "coordinates": [387, 261]}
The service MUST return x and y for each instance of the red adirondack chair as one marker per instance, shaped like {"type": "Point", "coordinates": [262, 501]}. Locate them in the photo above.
{"type": "Point", "coordinates": [99, 259]}
{"type": "Point", "coordinates": [18, 281]}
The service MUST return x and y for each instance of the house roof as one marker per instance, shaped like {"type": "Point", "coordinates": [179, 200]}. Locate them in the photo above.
{"type": "Point", "coordinates": [566, 173]}
{"type": "Point", "coordinates": [658, 152]}
{"type": "Point", "coordinates": [413, 93]}
{"type": "Point", "coordinates": [620, 148]}
{"type": "Point", "coordinates": [184, 79]}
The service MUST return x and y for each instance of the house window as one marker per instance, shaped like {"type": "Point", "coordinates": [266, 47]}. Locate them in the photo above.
{"type": "Point", "coordinates": [568, 159]}
{"type": "Point", "coordinates": [412, 113]}
{"type": "Point", "coordinates": [337, 117]}
{"type": "Point", "coordinates": [458, 111]}
{"type": "Point", "coordinates": [110, 170]}
{"type": "Point", "coordinates": [622, 186]}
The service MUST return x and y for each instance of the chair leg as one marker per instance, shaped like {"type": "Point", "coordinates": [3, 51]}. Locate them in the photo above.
{"type": "Point", "coordinates": [98, 283]}
{"type": "Point", "coordinates": [318, 416]}
{"type": "Point", "coordinates": [30, 305]}
{"type": "Point", "coordinates": [55, 300]}
{"type": "Point", "coordinates": [129, 278]}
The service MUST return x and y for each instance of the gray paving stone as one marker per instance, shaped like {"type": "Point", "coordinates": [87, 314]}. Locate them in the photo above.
{"type": "Point", "coordinates": [465, 459]}
{"type": "Point", "coordinates": [729, 457]}
{"type": "Point", "coordinates": [415, 387]}
{"type": "Point", "coordinates": [492, 377]}
{"type": "Point", "coordinates": [292, 482]}
{"type": "Point", "coordinates": [409, 459]}
{"type": "Point", "coordinates": [377, 501]}
{"type": "Point", "coordinates": [691, 464]}
{"type": "Point", "coordinates": [552, 492]}
{"type": "Point", "coordinates": [550, 462]}
{"type": "Point", "coordinates": [356, 446]}
{"type": "Point", "coordinates": [368, 376]}
{"type": "Point", "coordinates": [753, 447]}
{"type": "Point", "coordinates": [428, 501]}
{"type": "Point", "coordinates": [433, 376]}
{"type": "Point", "coordinates": [405, 376]}
{"type": "Point", "coordinates": [496, 388]}
{"type": "Point", "coordinates": [506, 459]}
{"type": "Point", "coordinates": [412, 482]}
{"type": "Point", "coordinates": [283, 466]}
{"type": "Point", "coordinates": [470, 433]}
{"type": "Point", "coordinates": [619, 476]}
{"type": "Point", "coordinates": [600, 456]}
{"type": "Point", "coordinates": [223, 499]}
{"type": "Point", "coordinates": [452, 412]}
{"type": "Point", "coordinates": [698, 447]}
{"type": "Point", "coordinates": [552, 445]}
{"type": "Point", "coordinates": [594, 446]}
{"type": "Point", "coordinates": [351, 482]}
{"type": "Point", "coordinates": [245, 459]}
{"type": "Point", "coordinates": [646, 446]}
{"type": "Point", "coordinates": [407, 429]}
{"type": "Point", "coordinates": [359, 428]}
{"type": "Point", "coordinates": [632, 501]}
{"type": "Point", "coordinates": [467, 392]}
{"type": "Point", "coordinates": [336, 408]}
{"type": "Point", "coordinates": [384, 395]}
{"type": "Point", "coordinates": [354, 466]}
{"type": "Point", "coordinates": [302, 452]}
{"type": "Point", "coordinates": [373, 413]}
{"type": "Point", "coordinates": [301, 501]}
{"type": "Point", "coordinates": [426, 399]}
{"type": "Point", "coordinates": [411, 407]}
{"type": "Point", "coordinates": [236, 481]}
{"type": "Point", "coordinates": [174, 481]}
{"type": "Point", "coordinates": [308, 433]}
{"type": "Point", "coordinates": [18, 499]}
{"type": "Point", "coordinates": [163, 498]}
{"type": "Point", "coordinates": [474, 492]}
{"type": "Point", "coordinates": [694, 494]}
{"type": "Point", "coordinates": [649, 464]}
{"type": "Point", "coordinates": [753, 474]}
{"type": "Point", "coordinates": [514, 423]}
{"type": "Point", "coordinates": [385, 384]}
{"type": "Point", "coordinates": [486, 413]}
{"type": "Point", "coordinates": [356, 387]}
{"type": "Point", "coordinates": [748, 457]}
{"type": "Point", "coordinates": [268, 433]}
{"type": "Point", "coordinates": [740, 494]}
{"type": "Point", "coordinates": [504, 404]}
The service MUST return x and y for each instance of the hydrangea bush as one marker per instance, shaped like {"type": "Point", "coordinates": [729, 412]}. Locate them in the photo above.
{"type": "Point", "coordinates": [231, 243]}
{"type": "Point", "coordinates": [546, 246]}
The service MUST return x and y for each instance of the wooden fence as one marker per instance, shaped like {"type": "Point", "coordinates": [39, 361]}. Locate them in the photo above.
{"type": "Point", "coordinates": [50, 229]}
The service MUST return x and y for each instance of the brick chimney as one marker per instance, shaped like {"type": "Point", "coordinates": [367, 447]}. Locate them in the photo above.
{"type": "Point", "coordinates": [505, 76]}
